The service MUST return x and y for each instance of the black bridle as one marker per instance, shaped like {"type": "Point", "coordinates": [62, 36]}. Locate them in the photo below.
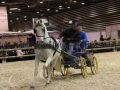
{"type": "Point", "coordinates": [35, 31]}
{"type": "Point", "coordinates": [51, 37]}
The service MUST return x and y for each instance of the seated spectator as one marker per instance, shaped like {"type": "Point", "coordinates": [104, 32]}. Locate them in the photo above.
{"type": "Point", "coordinates": [19, 53]}
{"type": "Point", "coordinates": [32, 39]}
{"type": "Point", "coordinates": [96, 44]}
{"type": "Point", "coordinates": [109, 37]}
{"type": "Point", "coordinates": [101, 38]}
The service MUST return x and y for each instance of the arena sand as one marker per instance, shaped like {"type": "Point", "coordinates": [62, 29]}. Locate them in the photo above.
{"type": "Point", "coordinates": [18, 76]}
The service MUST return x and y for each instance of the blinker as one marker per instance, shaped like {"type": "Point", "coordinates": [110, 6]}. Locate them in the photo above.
{"type": "Point", "coordinates": [34, 31]}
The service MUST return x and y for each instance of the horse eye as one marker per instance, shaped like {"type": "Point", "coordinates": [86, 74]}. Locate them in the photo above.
{"type": "Point", "coordinates": [34, 30]}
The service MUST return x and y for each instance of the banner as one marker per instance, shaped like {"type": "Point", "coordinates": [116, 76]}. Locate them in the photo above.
{"type": "Point", "coordinates": [3, 19]}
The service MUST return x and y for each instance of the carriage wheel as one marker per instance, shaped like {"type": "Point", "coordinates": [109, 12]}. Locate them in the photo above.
{"type": "Point", "coordinates": [52, 74]}
{"type": "Point", "coordinates": [64, 70]}
{"type": "Point", "coordinates": [83, 67]}
{"type": "Point", "coordinates": [94, 65]}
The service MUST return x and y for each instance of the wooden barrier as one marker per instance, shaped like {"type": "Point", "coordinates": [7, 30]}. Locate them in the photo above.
{"type": "Point", "coordinates": [19, 56]}
{"type": "Point", "coordinates": [4, 57]}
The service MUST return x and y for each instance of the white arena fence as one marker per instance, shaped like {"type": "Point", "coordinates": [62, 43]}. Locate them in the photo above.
{"type": "Point", "coordinates": [114, 45]}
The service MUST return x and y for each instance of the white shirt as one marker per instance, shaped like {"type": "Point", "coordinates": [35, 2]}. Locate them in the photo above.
{"type": "Point", "coordinates": [19, 53]}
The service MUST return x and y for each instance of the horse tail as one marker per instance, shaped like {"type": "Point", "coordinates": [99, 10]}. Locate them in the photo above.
{"type": "Point", "coordinates": [58, 64]}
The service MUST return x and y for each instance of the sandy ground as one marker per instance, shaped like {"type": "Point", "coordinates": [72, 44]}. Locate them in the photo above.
{"type": "Point", "coordinates": [18, 76]}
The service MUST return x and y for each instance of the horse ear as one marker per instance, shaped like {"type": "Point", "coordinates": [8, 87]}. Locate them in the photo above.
{"type": "Point", "coordinates": [34, 22]}
{"type": "Point", "coordinates": [41, 21]}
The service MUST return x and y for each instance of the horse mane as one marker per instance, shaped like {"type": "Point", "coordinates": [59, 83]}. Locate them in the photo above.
{"type": "Point", "coordinates": [56, 46]}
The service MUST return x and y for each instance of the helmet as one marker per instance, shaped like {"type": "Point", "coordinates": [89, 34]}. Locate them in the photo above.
{"type": "Point", "coordinates": [75, 24]}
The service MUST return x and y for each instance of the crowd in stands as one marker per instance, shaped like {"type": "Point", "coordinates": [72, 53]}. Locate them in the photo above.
{"type": "Point", "coordinates": [8, 45]}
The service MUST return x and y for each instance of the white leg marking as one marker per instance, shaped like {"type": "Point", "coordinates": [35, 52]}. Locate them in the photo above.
{"type": "Point", "coordinates": [36, 70]}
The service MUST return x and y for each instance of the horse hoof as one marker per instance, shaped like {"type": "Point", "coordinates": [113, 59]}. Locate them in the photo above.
{"type": "Point", "coordinates": [32, 88]}
{"type": "Point", "coordinates": [47, 83]}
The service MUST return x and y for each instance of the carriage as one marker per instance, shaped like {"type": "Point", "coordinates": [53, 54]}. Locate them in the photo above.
{"type": "Point", "coordinates": [79, 60]}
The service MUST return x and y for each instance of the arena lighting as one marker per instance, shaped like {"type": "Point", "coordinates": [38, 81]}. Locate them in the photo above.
{"type": "Point", "coordinates": [40, 10]}
{"type": "Point", "coordinates": [37, 12]}
{"type": "Point", "coordinates": [17, 18]}
{"type": "Point", "coordinates": [48, 9]}
{"type": "Point", "coordinates": [70, 22]}
{"type": "Point", "coordinates": [25, 19]}
{"type": "Point", "coordinates": [10, 12]}
{"type": "Point", "coordinates": [60, 6]}
{"type": "Point", "coordinates": [41, 2]}
{"type": "Point", "coordinates": [83, 3]}
{"type": "Point", "coordinates": [68, 7]}
{"type": "Point", "coordinates": [56, 10]}
{"type": "Point", "coordinates": [3, 2]}
{"type": "Point", "coordinates": [13, 8]}
{"type": "Point", "coordinates": [74, 1]}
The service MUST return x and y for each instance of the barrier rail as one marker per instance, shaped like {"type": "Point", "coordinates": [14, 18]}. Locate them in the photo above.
{"type": "Point", "coordinates": [4, 57]}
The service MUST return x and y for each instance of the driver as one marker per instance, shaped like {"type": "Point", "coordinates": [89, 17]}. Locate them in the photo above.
{"type": "Point", "coordinates": [70, 37]}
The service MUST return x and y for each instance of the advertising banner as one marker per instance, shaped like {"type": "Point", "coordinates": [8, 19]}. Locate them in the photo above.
{"type": "Point", "coordinates": [3, 19]}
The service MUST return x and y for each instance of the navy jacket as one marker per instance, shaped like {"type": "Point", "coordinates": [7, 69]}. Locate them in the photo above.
{"type": "Point", "coordinates": [70, 33]}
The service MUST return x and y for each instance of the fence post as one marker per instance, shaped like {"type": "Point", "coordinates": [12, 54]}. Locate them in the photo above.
{"type": "Point", "coordinates": [115, 49]}
{"type": "Point", "coordinates": [3, 55]}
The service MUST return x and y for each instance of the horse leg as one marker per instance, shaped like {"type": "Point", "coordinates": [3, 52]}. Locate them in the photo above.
{"type": "Point", "coordinates": [50, 69]}
{"type": "Point", "coordinates": [45, 66]}
{"type": "Point", "coordinates": [35, 73]}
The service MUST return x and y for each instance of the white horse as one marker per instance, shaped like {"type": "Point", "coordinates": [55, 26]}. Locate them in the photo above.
{"type": "Point", "coordinates": [52, 59]}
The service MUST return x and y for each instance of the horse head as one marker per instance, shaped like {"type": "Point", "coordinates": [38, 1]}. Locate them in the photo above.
{"type": "Point", "coordinates": [40, 29]}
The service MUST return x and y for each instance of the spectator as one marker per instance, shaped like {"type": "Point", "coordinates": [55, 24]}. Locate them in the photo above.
{"type": "Point", "coordinates": [83, 38]}
{"type": "Point", "coordinates": [32, 39]}
{"type": "Point", "coordinates": [109, 37]}
{"type": "Point", "coordinates": [101, 38]}
{"type": "Point", "coordinates": [20, 53]}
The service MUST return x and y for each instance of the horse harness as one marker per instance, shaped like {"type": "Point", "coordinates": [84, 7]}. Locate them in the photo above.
{"type": "Point", "coordinates": [55, 47]}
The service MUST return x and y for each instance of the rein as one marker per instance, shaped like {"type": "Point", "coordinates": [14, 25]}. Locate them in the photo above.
{"type": "Point", "coordinates": [43, 37]}
{"type": "Point", "coordinates": [51, 37]}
